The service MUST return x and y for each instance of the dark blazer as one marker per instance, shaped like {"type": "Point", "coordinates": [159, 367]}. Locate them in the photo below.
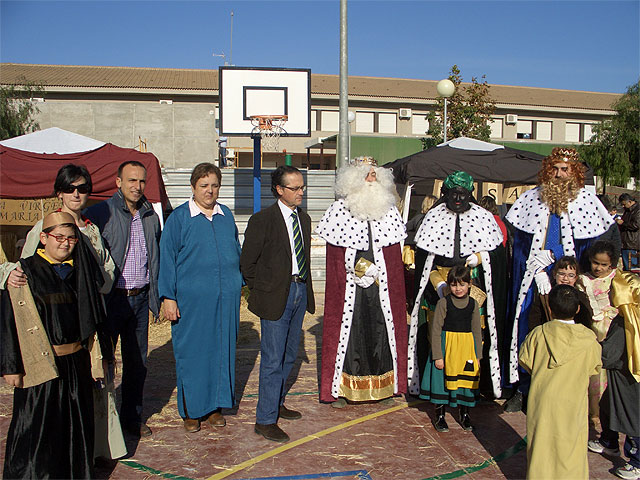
{"type": "Point", "coordinates": [265, 262]}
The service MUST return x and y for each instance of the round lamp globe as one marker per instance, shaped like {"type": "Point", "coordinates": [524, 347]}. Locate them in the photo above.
{"type": "Point", "coordinates": [445, 88]}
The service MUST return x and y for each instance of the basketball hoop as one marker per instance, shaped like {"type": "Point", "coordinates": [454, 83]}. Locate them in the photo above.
{"type": "Point", "coordinates": [269, 127]}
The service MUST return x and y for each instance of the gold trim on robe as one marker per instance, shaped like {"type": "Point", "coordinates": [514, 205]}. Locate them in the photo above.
{"type": "Point", "coordinates": [364, 388]}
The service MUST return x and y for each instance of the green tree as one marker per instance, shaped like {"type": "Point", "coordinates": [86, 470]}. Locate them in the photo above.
{"type": "Point", "coordinates": [614, 149]}
{"type": "Point", "coordinates": [17, 110]}
{"type": "Point", "coordinates": [469, 112]}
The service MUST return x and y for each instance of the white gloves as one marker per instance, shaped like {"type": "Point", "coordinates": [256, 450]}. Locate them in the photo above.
{"type": "Point", "coordinates": [365, 281]}
{"type": "Point", "coordinates": [542, 280]}
{"type": "Point", "coordinates": [540, 261]}
{"type": "Point", "coordinates": [372, 271]}
{"type": "Point", "coordinates": [369, 277]}
{"type": "Point", "coordinates": [440, 289]}
{"type": "Point", "coordinates": [472, 260]}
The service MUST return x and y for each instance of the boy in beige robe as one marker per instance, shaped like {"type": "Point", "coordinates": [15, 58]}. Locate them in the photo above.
{"type": "Point", "coordinates": [560, 356]}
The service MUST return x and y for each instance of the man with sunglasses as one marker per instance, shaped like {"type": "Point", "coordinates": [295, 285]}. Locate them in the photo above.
{"type": "Point", "coordinates": [131, 230]}
{"type": "Point", "coordinates": [275, 264]}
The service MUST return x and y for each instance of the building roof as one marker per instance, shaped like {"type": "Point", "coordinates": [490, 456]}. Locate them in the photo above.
{"type": "Point", "coordinates": [127, 78]}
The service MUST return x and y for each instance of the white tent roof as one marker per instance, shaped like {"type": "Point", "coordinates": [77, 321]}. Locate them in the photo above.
{"type": "Point", "coordinates": [52, 140]}
{"type": "Point", "coordinates": [466, 143]}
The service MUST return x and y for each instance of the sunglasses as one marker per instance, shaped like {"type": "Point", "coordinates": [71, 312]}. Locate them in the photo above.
{"type": "Point", "coordinates": [63, 238]}
{"type": "Point", "coordinates": [83, 188]}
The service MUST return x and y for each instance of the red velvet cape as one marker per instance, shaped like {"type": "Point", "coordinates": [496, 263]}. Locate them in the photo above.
{"type": "Point", "coordinates": [333, 309]}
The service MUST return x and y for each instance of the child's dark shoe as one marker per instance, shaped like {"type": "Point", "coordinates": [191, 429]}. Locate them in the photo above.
{"type": "Point", "coordinates": [465, 420]}
{"type": "Point", "coordinates": [440, 424]}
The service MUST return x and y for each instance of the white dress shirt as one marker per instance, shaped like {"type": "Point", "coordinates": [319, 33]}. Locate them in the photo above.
{"type": "Point", "coordinates": [288, 220]}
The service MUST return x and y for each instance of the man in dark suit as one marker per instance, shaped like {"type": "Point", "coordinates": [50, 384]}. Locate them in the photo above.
{"type": "Point", "coordinates": [275, 264]}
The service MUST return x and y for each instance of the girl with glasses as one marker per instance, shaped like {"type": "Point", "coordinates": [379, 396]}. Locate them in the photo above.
{"type": "Point", "coordinates": [565, 271]}
{"type": "Point", "coordinates": [52, 428]}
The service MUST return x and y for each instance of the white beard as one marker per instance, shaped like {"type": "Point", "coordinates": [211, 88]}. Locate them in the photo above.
{"type": "Point", "coordinates": [371, 201]}
{"type": "Point", "coordinates": [366, 200]}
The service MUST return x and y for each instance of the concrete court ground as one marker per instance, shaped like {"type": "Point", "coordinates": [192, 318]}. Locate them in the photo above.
{"type": "Point", "coordinates": [371, 441]}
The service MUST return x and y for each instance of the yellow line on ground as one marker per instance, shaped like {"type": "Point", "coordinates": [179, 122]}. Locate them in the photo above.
{"type": "Point", "coordinates": [308, 438]}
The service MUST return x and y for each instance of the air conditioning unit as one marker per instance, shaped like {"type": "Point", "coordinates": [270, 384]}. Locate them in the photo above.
{"type": "Point", "coordinates": [511, 119]}
{"type": "Point", "coordinates": [404, 113]}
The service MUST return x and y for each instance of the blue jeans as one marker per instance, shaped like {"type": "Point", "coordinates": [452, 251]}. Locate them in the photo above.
{"type": "Point", "coordinates": [279, 342]}
{"type": "Point", "coordinates": [627, 264]}
{"type": "Point", "coordinates": [128, 319]}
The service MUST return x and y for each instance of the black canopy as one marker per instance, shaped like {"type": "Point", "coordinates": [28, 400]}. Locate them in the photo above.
{"type": "Point", "coordinates": [502, 165]}
{"type": "Point", "coordinates": [485, 162]}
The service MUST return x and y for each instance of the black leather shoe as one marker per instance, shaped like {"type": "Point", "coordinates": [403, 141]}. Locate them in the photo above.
{"type": "Point", "coordinates": [440, 424]}
{"type": "Point", "coordinates": [514, 404]}
{"type": "Point", "coordinates": [288, 414]}
{"type": "Point", "coordinates": [465, 420]}
{"type": "Point", "coordinates": [271, 432]}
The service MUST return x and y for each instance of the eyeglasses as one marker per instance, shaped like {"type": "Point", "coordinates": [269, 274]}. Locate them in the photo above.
{"type": "Point", "coordinates": [62, 238]}
{"type": "Point", "coordinates": [83, 188]}
{"type": "Point", "coordinates": [570, 276]}
{"type": "Point", "coordinates": [295, 189]}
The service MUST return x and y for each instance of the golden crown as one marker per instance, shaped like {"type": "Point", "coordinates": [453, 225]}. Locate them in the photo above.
{"type": "Point", "coordinates": [364, 160]}
{"type": "Point", "coordinates": [564, 154]}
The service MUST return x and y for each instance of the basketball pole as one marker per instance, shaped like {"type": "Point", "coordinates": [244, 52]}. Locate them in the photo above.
{"type": "Point", "coordinates": [257, 180]}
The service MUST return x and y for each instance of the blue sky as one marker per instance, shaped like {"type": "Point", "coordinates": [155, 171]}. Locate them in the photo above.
{"type": "Point", "coordinates": [575, 45]}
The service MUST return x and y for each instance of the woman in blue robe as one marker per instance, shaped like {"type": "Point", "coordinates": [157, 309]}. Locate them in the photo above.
{"type": "Point", "coordinates": [200, 285]}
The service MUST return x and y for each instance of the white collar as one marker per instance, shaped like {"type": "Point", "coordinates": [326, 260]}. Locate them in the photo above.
{"type": "Point", "coordinates": [286, 211]}
{"type": "Point", "coordinates": [478, 231]}
{"type": "Point", "coordinates": [570, 322]}
{"type": "Point", "coordinates": [586, 214]}
{"type": "Point", "coordinates": [195, 210]}
{"type": "Point", "coordinates": [338, 227]}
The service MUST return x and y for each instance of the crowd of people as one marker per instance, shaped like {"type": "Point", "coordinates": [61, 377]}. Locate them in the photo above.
{"type": "Point", "coordinates": [532, 309]}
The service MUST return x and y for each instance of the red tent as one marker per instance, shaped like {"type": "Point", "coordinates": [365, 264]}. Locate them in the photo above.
{"type": "Point", "coordinates": [31, 175]}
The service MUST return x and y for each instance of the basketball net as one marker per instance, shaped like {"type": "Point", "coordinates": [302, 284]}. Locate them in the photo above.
{"type": "Point", "coordinates": [269, 127]}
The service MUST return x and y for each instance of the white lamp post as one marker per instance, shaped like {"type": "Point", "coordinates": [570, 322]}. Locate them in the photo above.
{"type": "Point", "coordinates": [351, 116]}
{"type": "Point", "coordinates": [445, 88]}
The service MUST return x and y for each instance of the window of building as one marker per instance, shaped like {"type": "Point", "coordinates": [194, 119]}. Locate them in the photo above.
{"type": "Point", "coordinates": [364, 122]}
{"type": "Point", "coordinates": [419, 124]}
{"type": "Point", "coordinates": [387, 123]}
{"type": "Point", "coordinates": [543, 130]}
{"type": "Point", "coordinates": [314, 120]}
{"type": "Point", "coordinates": [524, 129]}
{"type": "Point", "coordinates": [588, 132]}
{"type": "Point", "coordinates": [217, 119]}
{"type": "Point", "coordinates": [329, 121]}
{"type": "Point", "coordinates": [572, 132]}
{"type": "Point", "coordinates": [496, 128]}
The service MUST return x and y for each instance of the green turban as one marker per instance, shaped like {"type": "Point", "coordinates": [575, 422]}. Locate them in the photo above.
{"type": "Point", "coordinates": [459, 179]}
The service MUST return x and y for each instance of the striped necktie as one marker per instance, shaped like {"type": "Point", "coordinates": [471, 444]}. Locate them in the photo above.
{"type": "Point", "coordinates": [297, 243]}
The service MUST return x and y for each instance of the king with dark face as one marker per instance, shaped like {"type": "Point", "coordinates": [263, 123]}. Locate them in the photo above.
{"type": "Point", "coordinates": [457, 199]}
{"type": "Point", "coordinates": [457, 231]}
{"type": "Point", "coordinates": [456, 195]}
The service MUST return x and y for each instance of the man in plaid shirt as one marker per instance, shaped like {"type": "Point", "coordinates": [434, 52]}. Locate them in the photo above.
{"type": "Point", "coordinates": [131, 230]}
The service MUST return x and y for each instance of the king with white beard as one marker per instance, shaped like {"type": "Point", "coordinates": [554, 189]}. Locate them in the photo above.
{"type": "Point", "coordinates": [364, 336]}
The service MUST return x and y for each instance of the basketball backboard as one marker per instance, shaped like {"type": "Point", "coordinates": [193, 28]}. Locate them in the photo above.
{"type": "Point", "coordinates": [249, 91]}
